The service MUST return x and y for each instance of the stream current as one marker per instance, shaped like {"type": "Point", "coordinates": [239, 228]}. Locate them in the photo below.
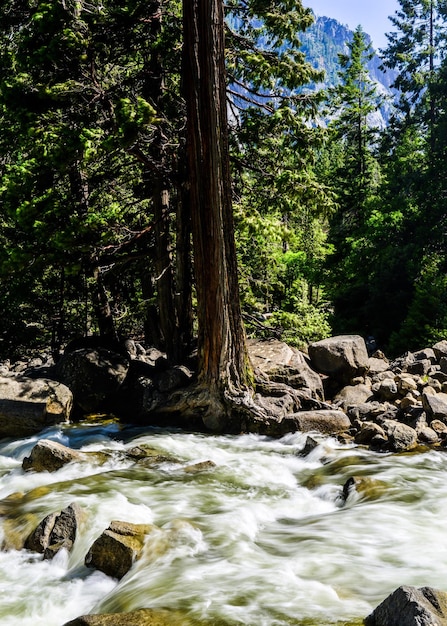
{"type": "Point", "coordinates": [262, 538]}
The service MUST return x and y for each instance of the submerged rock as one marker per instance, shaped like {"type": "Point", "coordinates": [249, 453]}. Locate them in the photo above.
{"type": "Point", "coordinates": [365, 486]}
{"type": "Point", "coordinates": [141, 617]}
{"type": "Point", "coordinates": [202, 466]}
{"type": "Point", "coordinates": [410, 606]}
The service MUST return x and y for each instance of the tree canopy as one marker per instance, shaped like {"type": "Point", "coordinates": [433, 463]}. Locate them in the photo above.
{"type": "Point", "coordinates": [336, 227]}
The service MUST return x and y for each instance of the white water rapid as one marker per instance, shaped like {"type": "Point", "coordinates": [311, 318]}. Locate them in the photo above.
{"type": "Point", "coordinates": [264, 538]}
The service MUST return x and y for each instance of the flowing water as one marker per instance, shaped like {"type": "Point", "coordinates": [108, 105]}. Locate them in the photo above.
{"type": "Point", "coordinates": [264, 537]}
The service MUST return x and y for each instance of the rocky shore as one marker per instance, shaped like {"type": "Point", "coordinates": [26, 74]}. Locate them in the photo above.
{"type": "Point", "coordinates": [388, 406]}
{"type": "Point", "coordinates": [339, 389]}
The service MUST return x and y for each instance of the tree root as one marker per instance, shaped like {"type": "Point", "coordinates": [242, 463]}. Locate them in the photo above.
{"type": "Point", "coordinates": [261, 410]}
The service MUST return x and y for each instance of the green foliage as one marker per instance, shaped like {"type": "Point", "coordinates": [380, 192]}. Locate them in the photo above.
{"type": "Point", "coordinates": [343, 226]}
{"type": "Point", "coordinates": [307, 324]}
{"type": "Point", "coordinates": [414, 47]}
{"type": "Point", "coordinates": [426, 319]}
{"type": "Point", "coordinates": [350, 166]}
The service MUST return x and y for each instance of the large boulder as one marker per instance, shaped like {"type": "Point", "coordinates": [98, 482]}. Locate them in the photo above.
{"type": "Point", "coordinates": [94, 374]}
{"type": "Point", "coordinates": [343, 357]}
{"type": "Point", "coordinates": [328, 422]}
{"type": "Point", "coordinates": [283, 364]}
{"type": "Point", "coordinates": [29, 405]}
{"type": "Point", "coordinates": [119, 546]}
{"type": "Point", "coordinates": [55, 531]}
{"type": "Point", "coordinates": [410, 606]}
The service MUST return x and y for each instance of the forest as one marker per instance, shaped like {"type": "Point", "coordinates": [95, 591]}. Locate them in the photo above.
{"type": "Point", "coordinates": [112, 121]}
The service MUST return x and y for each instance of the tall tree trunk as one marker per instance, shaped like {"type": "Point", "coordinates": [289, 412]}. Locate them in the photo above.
{"type": "Point", "coordinates": [224, 368]}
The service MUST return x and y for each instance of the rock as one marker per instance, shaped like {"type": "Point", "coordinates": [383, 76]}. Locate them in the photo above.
{"type": "Point", "coordinates": [400, 436]}
{"type": "Point", "coordinates": [56, 531]}
{"type": "Point", "coordinates": [141, 617]}
{"type": "Point", "coordinates": [149, 457]}
{"type": "Point", "coordinates": [284, 364]}
{"type": "Point", "coordinates": [440, 349]}
{"type": "Point", "coordinates": [119, 546]}
{"type": "Point", "coordinates": [433, 384]}
{"type": "Point", "coordinates": [174, 378]}
{"type": "Point", "coordinates": [49, 456]}
{"type": "Point", "coordinates": [343, 357]}
{"type": "Point", "coordinates": [435, 405]}
{"type": "Point", "coordinates": [386, 390]}
{"type": "Point", "coordinates": [406, 383]}
{"type": "Point", "coordinates": [352, 395]}
{"type": "Point", "coordinates": [376, 366]}
{"type": "Point", "coordinates": [309, 446]}
{"type": "Point", "coordinates": [155, 358]}
{"type": "Point", "coordinates": [365, 486]}
{"type": "Point", "coordinates": [29, 405]}
{"type": "Point", "coordinates": [39, 540]}
{"type": "Point", "coordinates": [368, 431]}
{"type": "Point", "coordinates": [401, 364]}
{"type": "Point", "coordinates": [409, 401]}
{"type": "Point", "coordinates": [421, 367]}
{"type": "Point", "coordinates": [370, 411]}
{"type": "Point", "coordinates": [409, 606]}
{"type": "Point", "coordinates": [93, 374]}
{"type": "Point", "coordinates": [439, 427]}
{"type": "Point", "coordinates": [427, 435]}
{"type": "Point", "coordinates": [202, 466]}
{"type": "Point", "coordinates": [279, 406]}
{"type": "Point", "coordinates": [138, 393]}
{"type": "Point", "coordinates": [440, 374]}
{"type": "Point", "coordinates": [326, 421]}
{"type": "Point", "coordinates": [427, 354]}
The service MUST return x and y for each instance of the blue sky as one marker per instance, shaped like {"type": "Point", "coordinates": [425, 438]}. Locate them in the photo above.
{"type": "Point", "coordinates": [371, 14]}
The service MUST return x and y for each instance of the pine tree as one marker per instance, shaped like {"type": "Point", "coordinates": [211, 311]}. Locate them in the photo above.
{"type": "Point", "coordinates": [354, 174]}
{"type": "Point", "coordinates": [414, 50]}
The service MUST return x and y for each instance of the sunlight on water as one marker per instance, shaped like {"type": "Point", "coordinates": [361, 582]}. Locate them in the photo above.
{"type": "Point", "coordinates": [262, 537]}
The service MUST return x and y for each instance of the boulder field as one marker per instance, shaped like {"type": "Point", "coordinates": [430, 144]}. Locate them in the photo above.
{"type": "Point", "coordinates": [386, 405]}
{"type": "Point", "coordinates": [338, 389]}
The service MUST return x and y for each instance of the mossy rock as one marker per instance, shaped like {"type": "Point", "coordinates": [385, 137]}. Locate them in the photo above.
{"type": "Point", "coordinates": [142, 617]}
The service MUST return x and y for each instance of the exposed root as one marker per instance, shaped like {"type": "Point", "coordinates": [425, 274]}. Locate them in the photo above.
{"type": "Point", "coordinates": [234, 410]}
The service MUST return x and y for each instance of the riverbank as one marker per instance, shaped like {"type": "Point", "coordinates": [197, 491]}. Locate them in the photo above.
{"type": "Point", "coordinates": [298, 529]}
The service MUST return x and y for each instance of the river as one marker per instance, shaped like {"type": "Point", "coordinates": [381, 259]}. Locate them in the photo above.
{"type": "Point", "coordinates": [263, 538]}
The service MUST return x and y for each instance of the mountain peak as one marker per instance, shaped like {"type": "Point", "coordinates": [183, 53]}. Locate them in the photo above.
{"type": "Point", "coordinates": [325, 40]}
